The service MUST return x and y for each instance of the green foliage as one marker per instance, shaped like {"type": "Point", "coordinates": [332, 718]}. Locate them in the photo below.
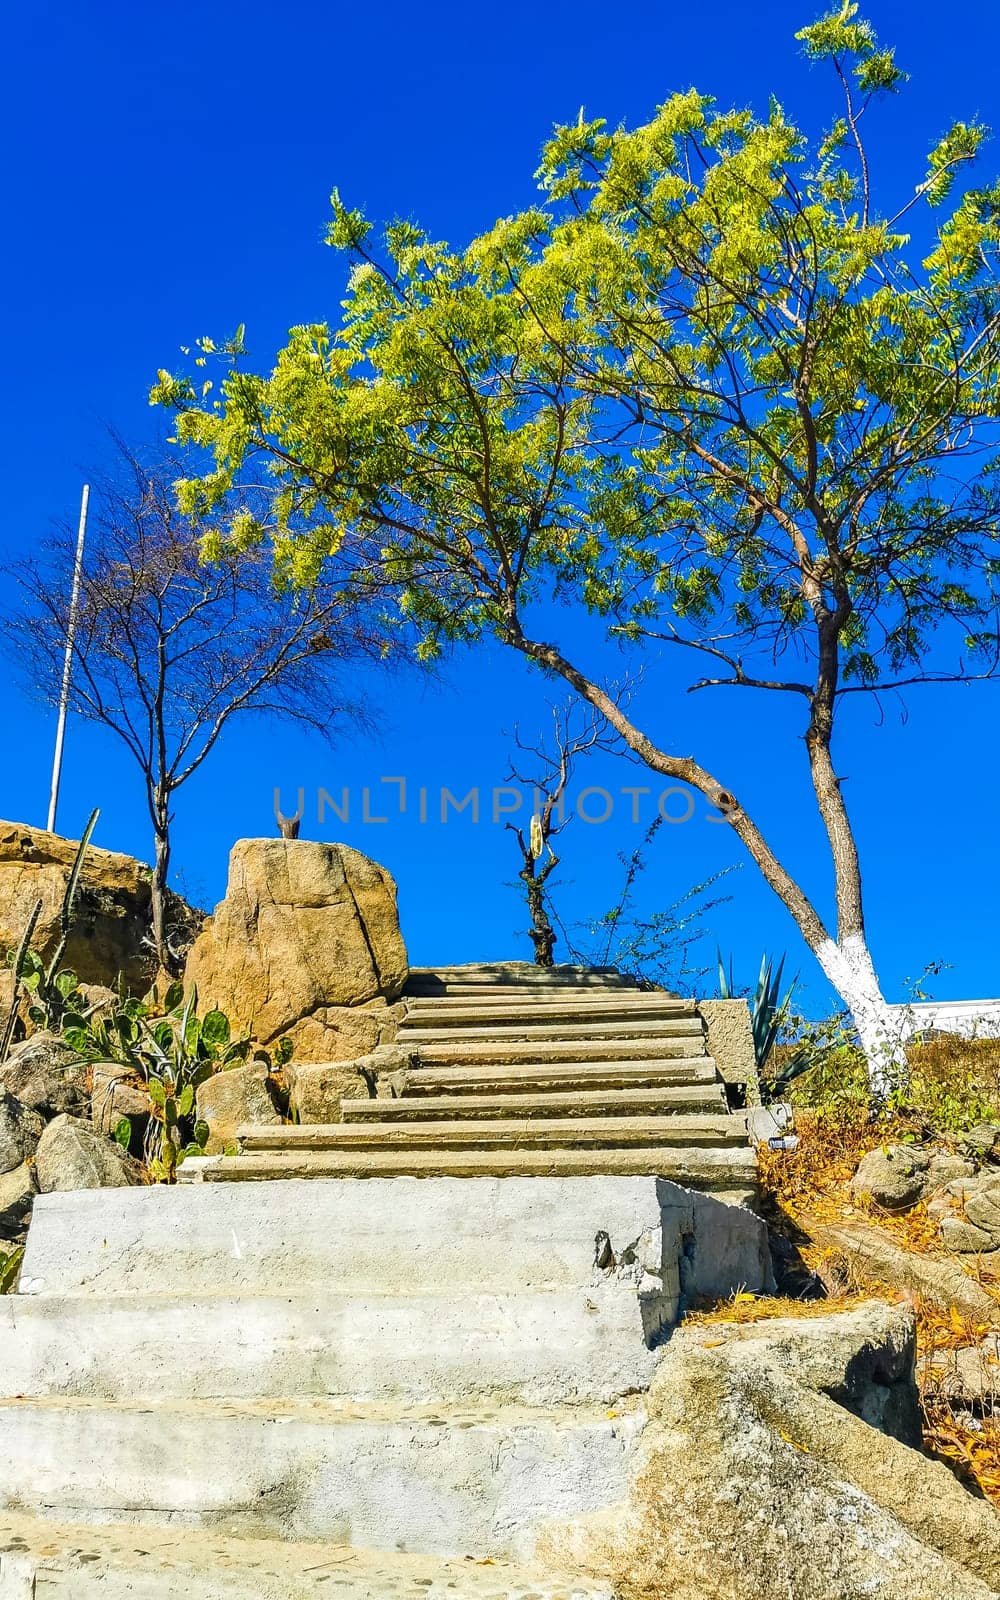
{"type": "Point", "coordinates": [10, 1268]}
{"type": "Point", "coordinates": [172, 1053]}
{"type": "Point", "coordinates": [769, 1015]}
{"type": "Point", "coordinates": [707, 385]}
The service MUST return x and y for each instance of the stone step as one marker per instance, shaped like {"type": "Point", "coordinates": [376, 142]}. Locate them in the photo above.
{"type": "Point", "coordinates": [535, 1053]}
{"type": "Point", "coordinates": [396, 1235]}
{"type": "Point", "coordinates": [532, 1076]}
{"type": "Point", "coordinates": [533, 1347]}
{"type": "Point", "coordinates": [685, 1029]}
{"type": "Point", "coordinates": [692, 1167]}
{"type": "Point", "coordinates": [52, 1560]}
{"type": "Point", "coordinates": [461, 1012]}
{"type": "Point", "coordinates": [508, 1133]}
{"type": "Point", "coordinates": [613, 1102]}
{"type": "Point", "coordinates": [479, 1481]}
{"type": "Point", "coordinates": [521, 974]}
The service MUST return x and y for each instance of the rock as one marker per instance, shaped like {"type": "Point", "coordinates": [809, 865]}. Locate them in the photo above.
{"type": "Point", "coordinates": [20, 1131]}
{"type": "Point", "coordinates": [945, 1169]}
{"type": "Point", "coordinates": [869, 1256]}
{"type": "Point", "coordinates": [964, 1237]}
{"type": "Point", "coordinates": [17, 1192]}
{"type": "Point", "coordinates": [72, 1156]}
{"type": "Point", "coordinates": [894, 1178]}
{"type": "Point", "coordinates": [44, 1073]}
{"type": "Point", "coordinates": [315, 1089]}
{"type": "Point", "coordinates": [982, 1205]}
{"type": "Point", "coordinates": [112, 916]}
{"type": "Point", "coordinates": [116, 1093]}
{"type": "Point", "coordinates": [751, 1483]}
{"type": "Point", "coordinates": [305, 930]}
{"type": "Point", "coordinates": [343, 1033]}
{"type": "Point", "coordinates": [981, 1141]}
{"type": "Point", "coordinates": [229, 1099]}
{"type": "Point", "coordinates": [970, 1376]}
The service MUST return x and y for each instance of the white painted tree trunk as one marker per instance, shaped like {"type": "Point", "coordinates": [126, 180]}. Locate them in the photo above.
{"type": "Point", "coordinates": [850, 969]}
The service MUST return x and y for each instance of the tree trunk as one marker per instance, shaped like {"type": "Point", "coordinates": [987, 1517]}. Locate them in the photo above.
{"type": "Point", "coordinates": [543, 935]}
{"type": "Point", "coordinates": [158, 904]}
{"type": "Point", "coordinates": [850, 969]}
{"type": "Point", "coordinates": [846, 960]}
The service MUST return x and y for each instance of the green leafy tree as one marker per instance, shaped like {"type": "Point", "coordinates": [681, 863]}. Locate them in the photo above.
{"type": "Point", "coordinates": [710, 390]}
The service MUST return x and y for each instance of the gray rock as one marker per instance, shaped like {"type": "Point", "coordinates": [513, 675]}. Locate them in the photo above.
{"type": "Point", "coordinates": [870, 1256]}
{"type": "Point", "coordinates": [981, 1141]}
{"type": "Point", "coordinates": [46, 1075]}
{"type": "Point", "coordinates": [230, 1099]}
{"type": "Point", "coordinates": [970, 1376]}
{"type": "Point", "coordinates": [982, 1205]}
{"type": "Point", "coordinates": [945, 1169]}
{"type": "Point", "coordinates": [895, 1178]}
{"type": "Point", "coordinates": [964, 1237]}
{"type": "Point", "coordinates": [17, 1191]}
{"type": "Point", "coordinates": [20, 1131]}
{"type": "Point", "coordinates": [72, 1156]}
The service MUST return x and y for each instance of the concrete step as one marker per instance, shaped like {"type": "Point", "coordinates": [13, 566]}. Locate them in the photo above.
{"type": "Point", "coordinates": [463, 1012]}
{"type": "Point", "coordinates": [52, 1560]}
{"type": "Point", "coordinates": [531, 1076]}
{"type": "Point", "coordinates": [509, 1133]}
{"type": "Point", "coordinates": [534, 1347]}
{"type": "Point", "coordinates": [480, 1481]}
{"type": "Point", "coordinates": [685, 1029]}
{"type": "Point", "coordinates": [532, 1052]}
{"type": "Point", "coordinates": [521, 974]}
{"type": "Point", "coordinates": [399, 1235]}
{"type": "Point", "coordinates": [693, 1168]}
{"type": "Point", "coordinates": [613, 1102]}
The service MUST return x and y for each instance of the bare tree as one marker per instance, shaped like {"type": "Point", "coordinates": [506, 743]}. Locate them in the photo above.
{"type": "Point", "coordinates": [170, 647]}
{"type": "Point", "coordinates": [575, 732]}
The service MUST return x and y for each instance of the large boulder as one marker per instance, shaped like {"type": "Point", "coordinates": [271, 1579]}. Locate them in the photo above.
{"type": "Point", "coordinates": [111, 921]}
{"type": "Point", "coordinates": [894, 1178]}
{"type": "Point", "coordinates": [48, 1076]}
{"type": "Point", "coordinates": [306, 934]}
{"type": "Point", "coordinates": [17, 1192]}
{"type": "Point", "coordinates": [758, 1475]}
{"type": "Point", "coordinates": [71, 1155]}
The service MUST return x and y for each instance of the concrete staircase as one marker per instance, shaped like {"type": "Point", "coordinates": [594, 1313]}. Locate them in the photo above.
{"type": "Point", "coordinates": [417, 1373]}
{"type": "Point", "coordinates": [518, 1071]}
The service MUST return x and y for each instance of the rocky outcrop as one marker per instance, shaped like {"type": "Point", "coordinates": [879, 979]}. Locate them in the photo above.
{"type": "Point", "coordinates": [111, 921]}
{"type": "Point", "coordinates": [71, 1155]}
{"type": "Point", "coordinates": [305, 945]}
{"type": "Point", "coordinates": [759, 1474]}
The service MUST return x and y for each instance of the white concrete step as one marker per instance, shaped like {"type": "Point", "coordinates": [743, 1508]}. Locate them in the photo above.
{"type": "Point", "coordinates": [461, 1012]}
{"type": "Point", "coordinates": [533, 1347]}
{"type": "Point", "coordinates": [624, 1027]}
{"type": "Point", "coordinates": [614, 1102]}
{"type": "Point", "coordinates": [45, 1560]}
{"type": "Point", "coordinates": [395, 1235]}
{"type": "Point", "coordinates": [529, 1076]}
{"type": "Point", "coordinates": [479, 1480]}
{"type": "Point", "coordinates": [692, 1167]}
{"type": "Point", "coordinates": [578, 1133]}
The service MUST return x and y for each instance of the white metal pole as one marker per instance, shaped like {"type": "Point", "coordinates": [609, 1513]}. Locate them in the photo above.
{"type": "Point", "coordinates": [68, 661]}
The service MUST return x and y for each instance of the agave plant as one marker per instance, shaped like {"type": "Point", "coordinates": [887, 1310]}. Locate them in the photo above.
{"type": "Point", "coordinates": [768, 1014]}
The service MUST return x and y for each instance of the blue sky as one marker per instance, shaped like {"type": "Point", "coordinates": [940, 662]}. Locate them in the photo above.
{"type": "Point", "coordinates": [170, 179]}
